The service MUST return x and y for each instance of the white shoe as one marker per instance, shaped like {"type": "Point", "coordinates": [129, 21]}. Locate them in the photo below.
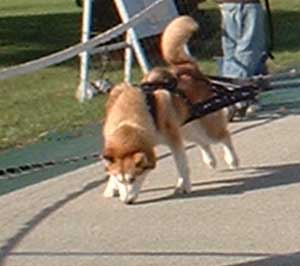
{"type": "Point", "coordinates": [252, 110]}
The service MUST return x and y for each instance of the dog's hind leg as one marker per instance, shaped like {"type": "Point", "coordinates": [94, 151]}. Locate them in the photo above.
{"type": "Point", "coordinates": [196, 134]}
{"type": "Point", "coordinates": [207, 155]}
{"type": "Point", "coordinates": [230, 155]}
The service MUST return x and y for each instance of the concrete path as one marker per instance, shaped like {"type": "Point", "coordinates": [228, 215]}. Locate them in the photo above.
{"type": "Point", "coordinates": [246, 217]}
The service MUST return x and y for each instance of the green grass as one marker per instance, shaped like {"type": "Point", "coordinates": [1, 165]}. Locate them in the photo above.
{"type": "Point", "coordinates": [33, 7]}
{"type": "Point", "coordinates": [29, 111]}
{"type": "Point", "coordinates": [35, 104]}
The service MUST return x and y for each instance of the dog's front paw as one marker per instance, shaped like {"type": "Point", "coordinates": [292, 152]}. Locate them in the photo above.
{"type": "Point", "coordinates": [110, 192]}
{"type": "Point", "coordinates": [183, 187]}
{"type": "Point", "coordinates": [111, 189]}
{"type": "Point", "coordinates": [128, 199]}
{"type": "Point", "coordinates": [127, 193]}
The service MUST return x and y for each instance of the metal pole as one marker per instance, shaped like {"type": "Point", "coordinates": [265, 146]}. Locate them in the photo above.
{"type": "Point", "coordinates": [134, 38]}
{"type": "Point", "coordinates": [128, 59]}
{"type": "Point", "coordinates": [84, 56]}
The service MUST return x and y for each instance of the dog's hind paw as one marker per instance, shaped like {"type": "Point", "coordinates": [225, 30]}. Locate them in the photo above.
{"type": "Point", "coordinates": [209, 158]}
{"type": "Point", "coordinates": [233, 163]}
{"type": "Point", "coordinates": [182, 187]}
{"type": "Point", "coordinates": [180, 191]}
{"type": "Point", "coordinates": [212, 164]}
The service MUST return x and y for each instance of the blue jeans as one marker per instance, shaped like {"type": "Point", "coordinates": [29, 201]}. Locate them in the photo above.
{"type": "Point", "coordinates": [243, 40]}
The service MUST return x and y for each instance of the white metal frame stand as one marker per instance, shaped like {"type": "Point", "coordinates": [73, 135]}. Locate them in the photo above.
{"type": "Point", "coordinates": [82, 90]}
{"type": "Point", "coordinates": [132, 39]}
{"type": "Point", "coordinates": [128, 59]}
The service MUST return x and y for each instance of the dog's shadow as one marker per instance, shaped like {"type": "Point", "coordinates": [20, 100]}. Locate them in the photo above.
{"type": "Point", "coordinates": [260, 178]}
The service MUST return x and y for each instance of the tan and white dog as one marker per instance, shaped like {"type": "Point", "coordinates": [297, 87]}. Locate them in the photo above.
{"type": "Point", "coordinates": [131, 132]}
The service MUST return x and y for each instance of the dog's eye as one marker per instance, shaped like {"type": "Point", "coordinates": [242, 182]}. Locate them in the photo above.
{"type": "Point", "coordinates": [108, 159]}
{"type": "Point", "coordinates": [139, 164]}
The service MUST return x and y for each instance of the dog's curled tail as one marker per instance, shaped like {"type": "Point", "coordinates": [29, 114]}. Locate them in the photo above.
{"type": "Point", "coordinates": [174, 39]}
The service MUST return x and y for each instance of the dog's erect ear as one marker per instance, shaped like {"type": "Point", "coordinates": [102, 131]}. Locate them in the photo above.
{"type": "Point", "coordinates": [140, 159]}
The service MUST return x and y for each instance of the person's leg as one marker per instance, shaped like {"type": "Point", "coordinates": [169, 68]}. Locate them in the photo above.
{"type": "Point", "coordinates": [243, 39]}
{"type": "Point", "coordinates": [243, 43]}
{"type": "Point", "coordinates": [230, 21]}
{"type": "Point", "coordinates": [251, 42]}
{"type": "Point", "coordinates": [252, 46]}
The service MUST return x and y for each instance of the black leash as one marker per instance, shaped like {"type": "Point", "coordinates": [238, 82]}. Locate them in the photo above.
{"type": "Point", "coordinates": [229, 91]}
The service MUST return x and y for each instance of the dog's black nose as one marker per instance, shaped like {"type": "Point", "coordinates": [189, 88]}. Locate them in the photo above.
{"type": "Point", "coordinates": [131, 179]}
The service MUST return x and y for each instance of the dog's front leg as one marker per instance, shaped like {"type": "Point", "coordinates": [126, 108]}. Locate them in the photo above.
{"type": "Point", "coordinates": [175, 143]}
{"type": "Point", "coordinates": [112, 189]}
{"type": "Point", "coordinates": [183, 183]}
{"type": "Point", "coordinates": [169, 127]}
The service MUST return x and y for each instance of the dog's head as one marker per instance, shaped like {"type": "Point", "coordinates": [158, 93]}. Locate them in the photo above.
{"type": "Point", "coordinates": [128, 157]}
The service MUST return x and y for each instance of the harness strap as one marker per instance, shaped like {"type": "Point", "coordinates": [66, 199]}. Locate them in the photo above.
{"type": "Point", "coordinates": [228, 91]}
{"type": "Point", "coordinates": [151, 103]}
{"type": "Point", "coordinates": [262, 82]}
{"type": "Point", "coordinates": [149, 87]}
{"type": "Point", "coordinates": [224, 97]}
{"type": "Point", "coordinates": [219, 101]}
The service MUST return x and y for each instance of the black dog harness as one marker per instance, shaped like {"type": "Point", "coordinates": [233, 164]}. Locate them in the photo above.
{"type": "Point", "coordinates": [151, 104]}
{"type": "Point", "coordinates": [223, 97]}
{"type": "Point", "coordinates": [150, 87]}
{"type": "Point", "coordinates": [227, 91]}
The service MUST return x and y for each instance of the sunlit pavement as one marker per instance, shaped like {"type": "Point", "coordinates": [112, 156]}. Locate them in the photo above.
{"type": "Point", "coordinates": [249, 216]}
